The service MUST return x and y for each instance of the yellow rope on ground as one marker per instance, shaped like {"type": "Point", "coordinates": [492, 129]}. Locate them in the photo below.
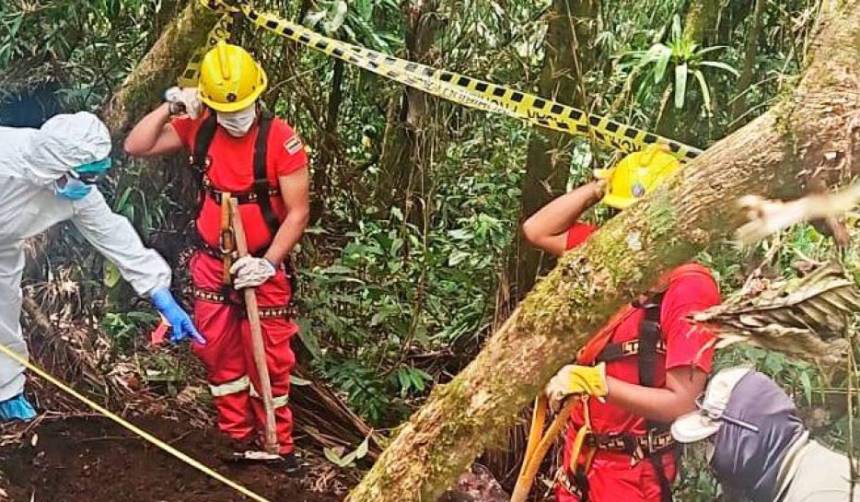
{"type": "Point", "coordinates": [136, 430]}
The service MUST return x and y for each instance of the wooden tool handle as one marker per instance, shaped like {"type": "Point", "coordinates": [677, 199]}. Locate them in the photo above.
{"type": "Point", "coordinates": [257, 343]}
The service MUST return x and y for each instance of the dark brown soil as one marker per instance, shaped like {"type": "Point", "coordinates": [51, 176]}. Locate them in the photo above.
{"type": "Point", "coordinates": [90, 459]}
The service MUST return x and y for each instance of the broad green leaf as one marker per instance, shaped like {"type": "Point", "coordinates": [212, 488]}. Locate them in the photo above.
{"type": "Point", "coordinates": [676, 27]}
{"type": "Point", "coordinates": [712, 48]}
{"type": "Point", "coordinates": [706, 93]}
{"type": "Point", "coordinates": [111, 275]}
{"type": "Point", "coordinates": [333, 456]}
{"type": "Point", "coordinates": [457, 257]}
{"type": "Point", "coordinates": [403, 380]}
{"type": "Point", "coordinates": [663, 59]}
{"type": "Point", "coordinates": [721, 66]}
{"type": "Point", "coordinates": [335, 17]}
{"type": "Point", "coordinates": [680, 85]}
{"type": "Point", "coordinates": [312, 19]}
{"type": "Point", "coordinates": [363, 448]}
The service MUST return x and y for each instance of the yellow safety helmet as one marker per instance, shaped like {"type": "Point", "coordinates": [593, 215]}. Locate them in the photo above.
{"type": "Point", "coordinates": [636, 175]}
{"type": "Point", "coordinates": [230, 79]}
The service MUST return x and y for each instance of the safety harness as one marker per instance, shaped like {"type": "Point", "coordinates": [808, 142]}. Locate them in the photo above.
{"type": "Point", "coordinates": [647, 347]}
{"type": "Point", "coordinates": [261, 194]}
{"type": "Point", "coordinates": [261, 191]}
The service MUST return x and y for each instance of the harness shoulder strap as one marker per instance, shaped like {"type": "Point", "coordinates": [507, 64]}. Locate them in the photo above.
{"type": "Point", "coordinates": [261, 180]}
{"type": "Point", "coordinates": [202, 142]}
{"type": "Point", "coordinates": [650, 333]}
{"type": "Point", "coordinates": [200, 155]}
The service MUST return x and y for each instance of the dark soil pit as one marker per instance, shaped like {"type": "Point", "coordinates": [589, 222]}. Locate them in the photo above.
{"type": "Point", "coordinates": [91, 459]}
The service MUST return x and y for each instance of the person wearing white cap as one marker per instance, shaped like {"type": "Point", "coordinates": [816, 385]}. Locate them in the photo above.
{"type": "Point", "coordinates": [760, 449]}
{"type": "Point", "coordinates": [47, 176]}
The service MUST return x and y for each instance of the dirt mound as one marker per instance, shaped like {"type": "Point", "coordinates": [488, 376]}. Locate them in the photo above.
{"type": "Point", "coordinates": [95, 460]}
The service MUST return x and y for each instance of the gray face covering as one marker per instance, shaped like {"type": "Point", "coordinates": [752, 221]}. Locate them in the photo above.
{"type": "Point", "coordinates": [757, 428]}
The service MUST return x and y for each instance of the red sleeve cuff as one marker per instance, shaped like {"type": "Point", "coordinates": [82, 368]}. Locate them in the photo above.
{"type": "Point", "coordinates": [578, 234]}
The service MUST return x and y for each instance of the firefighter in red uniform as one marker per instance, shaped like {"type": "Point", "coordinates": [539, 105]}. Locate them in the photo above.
{"type": "Point", "coordinates": [238, 149]}
{"type": "Point", "coordinates": [643, 370]}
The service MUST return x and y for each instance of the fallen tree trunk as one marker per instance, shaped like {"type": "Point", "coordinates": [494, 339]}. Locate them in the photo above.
{"type": "Point", "coordinates": [160, 67]}
{"type": "Point", "coordinates": [766, 157]}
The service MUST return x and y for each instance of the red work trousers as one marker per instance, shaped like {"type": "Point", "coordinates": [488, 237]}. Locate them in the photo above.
{"type": "Point", "coordinates": [228, 354]}
{"type": "Point", "coordinates": [613, 477]}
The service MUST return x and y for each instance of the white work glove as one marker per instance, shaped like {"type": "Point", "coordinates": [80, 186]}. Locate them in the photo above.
{"type": "Point", "coordinates": [184, 100]}
{"type": "Point", "coordinates": [250, 272]}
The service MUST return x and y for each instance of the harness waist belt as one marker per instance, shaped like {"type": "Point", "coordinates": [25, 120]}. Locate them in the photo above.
{"type": "Point", "coordinates": [218, 297]}
{"type": "Point", "coordinates": [653, 443]}
{"type": "Point", "coordinates": [241, 197]}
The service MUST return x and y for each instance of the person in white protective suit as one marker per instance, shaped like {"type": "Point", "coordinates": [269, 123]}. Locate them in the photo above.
{"type": "Point", "coordinates": [47, 176]}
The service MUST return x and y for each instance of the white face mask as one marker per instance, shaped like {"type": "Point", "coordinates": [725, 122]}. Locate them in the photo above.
{"type": "Point", "coordinates": [238, 123]}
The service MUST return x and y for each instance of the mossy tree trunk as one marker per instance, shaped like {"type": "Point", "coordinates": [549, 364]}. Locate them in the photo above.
{"type": "Point", "coordinates": [695, 208]}
{"type": "Point", "coordinates": [569, 56]}
{"type": "Point", "coordinates": [159, 69]}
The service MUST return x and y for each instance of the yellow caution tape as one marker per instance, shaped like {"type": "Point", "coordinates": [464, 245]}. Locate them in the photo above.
{"type": "Point", "coordinates": [221, 31]}
{"type": "Point", "coordinates": [464, 90]}
{"type": "Point", "coordinates": [136, 430]}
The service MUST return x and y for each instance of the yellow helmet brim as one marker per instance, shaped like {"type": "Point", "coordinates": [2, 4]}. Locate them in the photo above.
{"type": "Point", "coordinates": [242, 103]}
{"type": "Point", "coordinates": [618, 202]}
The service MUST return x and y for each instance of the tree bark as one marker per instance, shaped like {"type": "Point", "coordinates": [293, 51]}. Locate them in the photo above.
{"type": "Point", "coordinates": [407, 133]}
{"type": "Point", "coordinates": [160, 67]}
{"type": "Point", "coordinates": [569, 56]}
{"type": "Point", "coordinates": [700, 23]}
{"type": "Point", "coordinates": [750, 54]}
{"type": "Point", "coordinates": [667, 228]}
{"type": "Point", "coordinates": [328, 157]}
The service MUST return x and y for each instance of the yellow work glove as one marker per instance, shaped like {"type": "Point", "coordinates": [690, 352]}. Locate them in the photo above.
{"type": "Point", "coordinates": [576, 379]}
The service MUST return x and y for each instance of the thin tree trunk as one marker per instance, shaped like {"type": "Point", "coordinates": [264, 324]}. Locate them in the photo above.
{"type": "Point", "coordinates": [321, 179]}
{"type": "Point", "coordinates": [668, 228]}
{"type": "Point", "coordinates": [750, 54]}
{"type": "Point", "coordinates": [160, 67]}
{"type": "Point", "coordinates": [569, 55]}
{"type": "Point", "coordinates": [700, 23]}
{"type": "Point", "coordinates": [405, 139]}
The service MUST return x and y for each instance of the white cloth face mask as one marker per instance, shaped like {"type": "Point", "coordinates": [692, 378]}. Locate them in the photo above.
{"type": "Point", "coordinates": [238, 123]}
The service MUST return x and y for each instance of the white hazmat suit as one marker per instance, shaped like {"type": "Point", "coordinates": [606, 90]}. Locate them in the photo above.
{"type": "Point", "coordinates": [31, 161]}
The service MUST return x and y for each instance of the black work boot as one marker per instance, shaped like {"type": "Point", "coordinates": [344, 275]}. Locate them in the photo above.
{"type": "Point", "coordinates": [292, 464]}
{"type": "Point", "coordinates": [236, 448]}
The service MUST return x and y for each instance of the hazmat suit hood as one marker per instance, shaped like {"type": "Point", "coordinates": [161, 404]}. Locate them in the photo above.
{"type": "Point", "coordinates": [63, 143]}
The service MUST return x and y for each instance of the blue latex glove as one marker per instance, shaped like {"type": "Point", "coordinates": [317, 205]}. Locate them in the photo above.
{"type": "Point", "coordinates": [17, 408]}
{"type": "Point", "coordinates": [181, 326]}
{"type": "Point", "coordinates": [74, 189]}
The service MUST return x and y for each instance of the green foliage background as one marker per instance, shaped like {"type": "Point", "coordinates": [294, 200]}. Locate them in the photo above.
{"type": "Point", "coordinates": [396, 297]}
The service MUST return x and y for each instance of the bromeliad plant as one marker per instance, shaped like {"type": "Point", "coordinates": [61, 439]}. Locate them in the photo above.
{"type": "Point", "coordinates": [687, 60]}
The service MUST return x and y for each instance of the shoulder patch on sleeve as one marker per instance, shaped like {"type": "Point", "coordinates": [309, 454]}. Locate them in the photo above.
{"type": "Point", "coordinates": [293, 145]}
